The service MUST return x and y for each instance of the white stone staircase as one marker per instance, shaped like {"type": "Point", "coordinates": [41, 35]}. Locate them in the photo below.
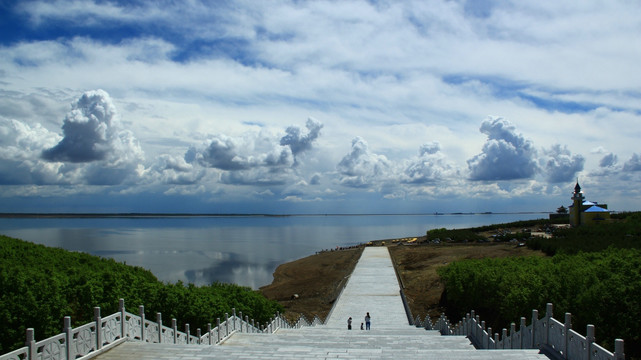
{"type": "Point", "coordinates": [372, 288]}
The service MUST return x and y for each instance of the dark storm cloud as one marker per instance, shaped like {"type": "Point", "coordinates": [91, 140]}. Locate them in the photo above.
{"type": "Point", "coordinates": [506, 155]}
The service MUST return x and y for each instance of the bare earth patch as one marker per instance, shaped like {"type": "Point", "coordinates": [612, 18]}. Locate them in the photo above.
{"type": "Point", "coordinates": [309, 286]}
{"type": "Point", "coordinates": [417, 266]}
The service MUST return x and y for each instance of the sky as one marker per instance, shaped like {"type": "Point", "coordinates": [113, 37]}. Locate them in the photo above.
{"type": "Point", "coordinates": [318, 106]}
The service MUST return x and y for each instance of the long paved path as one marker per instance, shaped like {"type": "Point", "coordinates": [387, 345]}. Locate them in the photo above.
{"type": "Point", "coordinates": [372, 287]}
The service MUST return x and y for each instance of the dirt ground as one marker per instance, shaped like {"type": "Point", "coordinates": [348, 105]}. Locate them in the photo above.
{"type": "Point", "coordinates": [309, 286]}
{"type": "Point", "coordinates": [418, 265]}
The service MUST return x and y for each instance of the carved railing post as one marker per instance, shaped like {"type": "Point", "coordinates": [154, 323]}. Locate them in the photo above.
{"type": "Point", "coordinates": [141, 313]}
{"type": "Point", "coordinates": [504, 336]}
{"type": "Point", "coordinates": [233, 311]}
{"type": "Point", "coordinates": [512, 334]}
{"type": "Point", "coordinates": [68, 337]}
{"type": "Point", "coordinates": [489, 337]}
{"type": "Point", "coordinates": [198, 335]}
{"type": "Point", "coordinates": [535, 324]}
{"type": "Point", "coordinates": [188, 334]}
{"type": "Point", "coordinates": [522, 332]}
{"type": "Point", "coordinates": [31, 344]}
{"type": "Point", "coordinates": [253, 326]}
{"type": "Point", "coordinates": [159, 321]}
{"type": "Point", "coordinates": [567, 325]}
{"type": "Point", "coordinates": [589, 338]}
{"type": "Point", "coordinates": [123, 320]}
{"type": "Point", "coordinates": [218, 327]}
{"type": "Point", "coordinates": [226, 324]}
{"type": "Point", "coordinates": [209, 332]}
{"type": "Point", "coordinates": [619, 354]}
{"type": "Point", "coordinates": [549, 312]}
{"type": "Point", "coordinates": [477, 324]}
{"type": "Point", "coordinates": [98, 319]}
{"type": "Point", "coordinates": [496, 341]}
{"type": "Point", "coordinates": [174, 326]}
{"type": "Point", "coordinates": [247, 322]}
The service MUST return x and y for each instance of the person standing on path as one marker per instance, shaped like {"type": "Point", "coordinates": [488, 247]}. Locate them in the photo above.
{"type": "Point", "coordinates": [367, 321]}
{"type": "Point", "coordinates": [349, 323]}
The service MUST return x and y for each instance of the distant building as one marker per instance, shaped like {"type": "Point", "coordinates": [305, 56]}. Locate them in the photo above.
{"type": "Point", "coordinates": [583, 212]}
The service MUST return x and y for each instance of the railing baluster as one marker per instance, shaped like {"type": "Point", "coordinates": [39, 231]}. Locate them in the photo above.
{"type": "Point", "coordinates": [123, 322]}
{"type": "Point", "coordinates": [141, 311]}
{"type": "Point", "coordinates": [159, 321]}
{"type": "Point", "coordinates": [98, 319]}
{"type": "Point", "coordinates": [174, 326]}
{"type": "Point", "coordinates": [68, 337]}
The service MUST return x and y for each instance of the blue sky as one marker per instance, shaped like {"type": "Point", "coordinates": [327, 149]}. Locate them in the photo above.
{"type": "Point", "coordinates": [318, 106]}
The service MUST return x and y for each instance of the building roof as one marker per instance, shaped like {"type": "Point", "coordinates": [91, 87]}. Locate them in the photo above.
{"type": "Point", "coordinates": [596, 209]}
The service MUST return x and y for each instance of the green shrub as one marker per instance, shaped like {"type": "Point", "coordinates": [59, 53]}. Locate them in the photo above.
{"type": "Point", "coordinates": [600, 288]}
{"type": "Point", "coordinates": [39, 286]}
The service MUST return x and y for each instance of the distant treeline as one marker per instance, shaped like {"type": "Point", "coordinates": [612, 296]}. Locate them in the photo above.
{"type": "Point", "coordinates": [41, 285]}
{"type": "Point", "coordinates": [594, 273]}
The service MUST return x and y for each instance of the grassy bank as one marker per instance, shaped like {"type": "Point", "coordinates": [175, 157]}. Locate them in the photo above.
{"type": "Point", "coordinates": [41, 285]}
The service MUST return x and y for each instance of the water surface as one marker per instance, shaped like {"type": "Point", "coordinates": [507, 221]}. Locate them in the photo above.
{"type": "Point", "coordinates": [244, 250]}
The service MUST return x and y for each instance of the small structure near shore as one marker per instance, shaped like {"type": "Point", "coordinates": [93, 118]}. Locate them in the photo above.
{"type": "Point", "coordinates": [583, 212]}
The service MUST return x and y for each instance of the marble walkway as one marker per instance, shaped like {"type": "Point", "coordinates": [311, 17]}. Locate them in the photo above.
{"type": "Point", "coordinates": [372, 288]}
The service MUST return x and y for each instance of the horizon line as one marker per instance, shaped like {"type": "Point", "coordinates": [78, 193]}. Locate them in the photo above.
{"type": "Point", "coordinates": [160, 215]}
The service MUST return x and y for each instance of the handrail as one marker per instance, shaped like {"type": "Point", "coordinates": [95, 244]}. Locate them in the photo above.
{"type": "Point", "coordinates": [106, 332]}
{"type": "Point", "coordinates": [547, 334]}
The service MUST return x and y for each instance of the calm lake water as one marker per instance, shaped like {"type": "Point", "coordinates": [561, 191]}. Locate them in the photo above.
{"type": "Point", "coordinates": [244, 250]}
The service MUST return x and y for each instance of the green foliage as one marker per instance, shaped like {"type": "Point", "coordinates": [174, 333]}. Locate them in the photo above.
{"type": "Point", "coordinates": [625, 233]}
{"type": "Point", "coordinates": [600, 288]}
{"type": "Point", "coordinates": [517, 224]}
{"type": "Point", "coordinates": [39, 286]}
{"type": "Point", "coordinates": [454, 235]}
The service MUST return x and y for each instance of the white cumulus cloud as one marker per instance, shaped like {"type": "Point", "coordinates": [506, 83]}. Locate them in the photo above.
{"type": "Point", "coordinates": [506, 154]}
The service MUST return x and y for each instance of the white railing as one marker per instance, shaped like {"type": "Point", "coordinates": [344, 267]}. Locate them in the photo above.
{"type": "Point", "coordinates": [103, 333]}
{"type": "Point", "coordinates": [547, 334]}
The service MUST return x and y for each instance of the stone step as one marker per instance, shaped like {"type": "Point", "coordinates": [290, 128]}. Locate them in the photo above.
{"type": "Point", "coordinates": [144, 351]}
{"type": "Point", "coordinates": [407, 330]}
{"type": "Point", "coordinates": [372, 288]}
{"type": "Point", "coordinates": [349, 342]}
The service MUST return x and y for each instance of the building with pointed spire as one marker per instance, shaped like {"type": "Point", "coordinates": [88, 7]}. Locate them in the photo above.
{"type": "Point", "coordinates": [583, 212]}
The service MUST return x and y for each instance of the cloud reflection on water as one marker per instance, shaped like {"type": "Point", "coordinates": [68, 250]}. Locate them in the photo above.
{"type": "Point", "coordinates": [234, 270]}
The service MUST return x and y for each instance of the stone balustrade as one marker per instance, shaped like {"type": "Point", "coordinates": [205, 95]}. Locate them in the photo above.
{"type": "Point", "coordinates": [547, 334]}
{"type": "Point", "coordinates": [551, 336]}
{"type": "Point", "coordinates": [106, 332]}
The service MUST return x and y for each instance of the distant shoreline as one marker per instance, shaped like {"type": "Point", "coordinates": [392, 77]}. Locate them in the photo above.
{"type": "Point", "coordinates": [180, 215]}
